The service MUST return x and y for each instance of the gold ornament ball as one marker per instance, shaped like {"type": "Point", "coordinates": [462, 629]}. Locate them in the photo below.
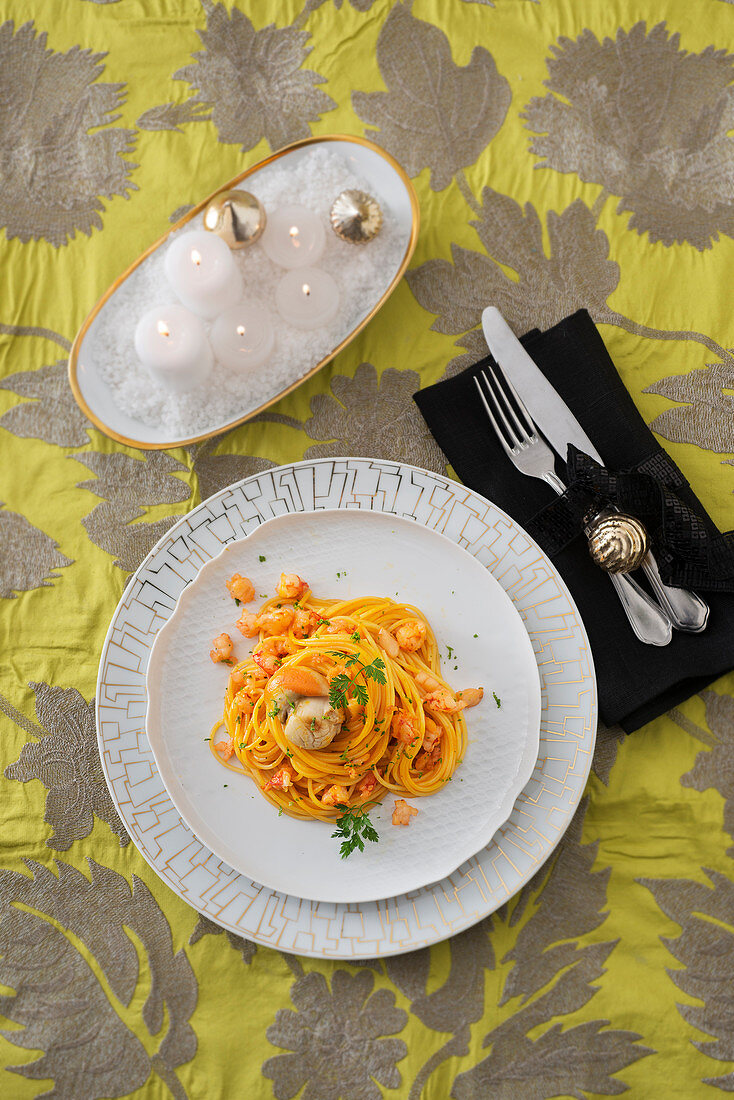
{"type": "Point", "coordinates": [617, 542]}
{"type": "Point", "coordinates": [235, 216]}
{"type": "Point", "coordinates": [356, 217]}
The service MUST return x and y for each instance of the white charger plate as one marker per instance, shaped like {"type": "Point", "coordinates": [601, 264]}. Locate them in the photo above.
{"type": "Point", "coordinates": [344, 554]}
{"type": "Point", "coordinates": [542, 811]}
{"type": "Point", "coordinates": [365, 159]}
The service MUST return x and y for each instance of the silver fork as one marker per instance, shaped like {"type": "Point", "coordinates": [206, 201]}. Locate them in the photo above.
{"type": "Point", "coordinates": [532, 456]}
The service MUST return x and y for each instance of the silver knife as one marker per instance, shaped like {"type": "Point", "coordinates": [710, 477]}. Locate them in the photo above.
{"type": "Point", "coordinates": [686, 610]}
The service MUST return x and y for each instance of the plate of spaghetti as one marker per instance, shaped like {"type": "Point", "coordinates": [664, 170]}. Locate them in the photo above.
{"type": "Point", "coordinates": [344, 684]}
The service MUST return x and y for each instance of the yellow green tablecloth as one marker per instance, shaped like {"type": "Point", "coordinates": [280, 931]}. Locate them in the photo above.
{"type": "Point", "coordinates": [566, 153]}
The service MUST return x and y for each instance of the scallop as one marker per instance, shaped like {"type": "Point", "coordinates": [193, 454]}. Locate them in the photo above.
{"type": "Point", "coordinates": [314, 723]}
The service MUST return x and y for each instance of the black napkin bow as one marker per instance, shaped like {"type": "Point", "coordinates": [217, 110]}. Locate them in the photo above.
{"type": "Point", "coordinates": [688, 554]}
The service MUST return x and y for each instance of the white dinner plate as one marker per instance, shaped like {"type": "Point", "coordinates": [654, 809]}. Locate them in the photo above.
{"type": "Point", "coordinates": [345, 554]}
{"type": "Point", "coordinates": [542, 810]}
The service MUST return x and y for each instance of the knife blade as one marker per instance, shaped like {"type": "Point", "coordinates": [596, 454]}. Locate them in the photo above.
{"type": "Point", "coordinates": [555, 420]}
{"type": "Point", "coordinates": [548, 410]}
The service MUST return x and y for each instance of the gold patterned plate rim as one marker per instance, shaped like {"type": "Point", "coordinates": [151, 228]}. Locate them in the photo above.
{"type": "Point", "coordinates": [542, 811]}
{"type": "Point", "coordinates": [231, 185]}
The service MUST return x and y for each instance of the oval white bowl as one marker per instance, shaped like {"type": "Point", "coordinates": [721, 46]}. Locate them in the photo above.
{"type": "Point", "coordinates": [364, 159]}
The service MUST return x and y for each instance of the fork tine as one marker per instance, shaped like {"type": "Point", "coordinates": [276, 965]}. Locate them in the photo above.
{"type": "Point", "coordinates": [521, 406]}
{"type": "Point", "coordinates": [498, 431]}
{"type": "Point", "coordinates": [493, 391]}
{"type": "Point", "coordinates": [523, 432]}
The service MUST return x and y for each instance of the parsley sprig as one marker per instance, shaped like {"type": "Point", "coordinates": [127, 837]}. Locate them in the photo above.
{"type": "Point", "coordinates": [354, 827]}
{"type": "Point", "coordinates": [343, 684]}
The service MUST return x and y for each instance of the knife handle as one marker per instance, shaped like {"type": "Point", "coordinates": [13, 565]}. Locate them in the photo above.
{"type": "Point", "coordinates": [647, 619]}
{"type": "Point", "coordinates": [687, 611]}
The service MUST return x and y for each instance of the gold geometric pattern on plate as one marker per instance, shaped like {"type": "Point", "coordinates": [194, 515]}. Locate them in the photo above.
{"type": "Point", "coordinates": [542, 811]}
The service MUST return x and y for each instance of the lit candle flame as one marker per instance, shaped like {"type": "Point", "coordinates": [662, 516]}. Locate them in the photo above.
{"type": "Point", "coordinates": [306, 289]}
{"type": "Point", "coordinates": [163, 328]}
{"type": "Point", "coordinates": [241, 330]}
{"type": "Point", "coordinates": [196, 257]}
{"type": "Point", "coordinates": [294, 234]}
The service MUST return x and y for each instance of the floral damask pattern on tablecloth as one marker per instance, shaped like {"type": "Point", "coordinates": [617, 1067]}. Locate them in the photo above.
{"type": "Point", "coordinates": [564, 155]}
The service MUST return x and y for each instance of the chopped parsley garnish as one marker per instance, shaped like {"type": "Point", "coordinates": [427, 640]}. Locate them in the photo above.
{"type": "Point", "coordinates": [496, 698]}
{"type": "Point", "coordinates": [450, 651]}
{"type": "Point", "coordinates": [356, 637]}
{"type": "Point", "coordinates": [225, 784]}
{"type": "Point", "coordinates": [342, 684]}
{"type": "Point", "coordinates": [313, 725]}
{"type": "Point", "coordinates": [263, 558]}
{"type": "Point", "coordinates": [353, 828]}
{"type": "Point", "coordinates": [273, 712]}
{"type": "Point", "coordinates": [280, 811]}
{"type": "Point", "coordinates": [476, 635]}
{"type": "Point", "coordinates": [238, 602]}
{"type": "Point", "coordinates": [207, 738]}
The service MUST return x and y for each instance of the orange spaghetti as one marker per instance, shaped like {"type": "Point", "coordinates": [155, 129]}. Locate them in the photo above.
{"type": "Point", "coordinates": [396, 725]}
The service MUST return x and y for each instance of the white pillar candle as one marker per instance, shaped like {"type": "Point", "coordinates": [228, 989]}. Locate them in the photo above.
{"type": "Point", "coordinates": [171, 344]}
{"type": "Point", "coordinates": [200, 268]}
{"type": "Point", "coordinates": [243, 337]}
{"type": "Point", "coordinates": [307, 298]}
{"type": "Point", "coordinates": [294, 237]}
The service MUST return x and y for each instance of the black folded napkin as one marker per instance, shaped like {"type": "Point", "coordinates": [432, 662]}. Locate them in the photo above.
{"type": "Point", "coordinates": [636, 682]}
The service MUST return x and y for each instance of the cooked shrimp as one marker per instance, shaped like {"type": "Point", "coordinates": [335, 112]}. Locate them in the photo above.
{"type": "Point", "coordinates": [402, 727]}
{"type": "Point", "coordinates": [334, 795]}
{"type": "Point", "coordinates": [367, 784]}
{"type": "Point", "coordinates": [244, 704]}
{"type": "Point", "coordinates": [237, 679]}
{"type": "Point", "coordinates": [426, 760]}
{"type": "Point", "coordinates": [441, 701]}
{"type": "Point", "coordinates": [431, 736]}
{"type": "Point", "coordinates": [313, 724]}
{"type": "Point", "coordinates": [340, 625]}
{"type": "Point", "coordinates": [411, 635]}
{"type": "Point", "coordinates": [241, 588]}
{"type": "Point", "coordinates": [222, 647]}
{"type": "Point", "coordinates": [282, 779]}
{"type": "Point", "coordinates": [469, 697]}
{"type": "Point", "coordinates": [425, 682]}
{"type": "Point", "coordinates": [225, 748]}
{"type": "Point", "coordinates": [301, 680]}
{"type": "Point", "coordinates": [247, 624]}
{"type": "Point", "coordinates": [291, 586]}
{"type": "Point", "coordinates": [386, 641]}
{"type": "Point", "coordinates": [403, 812]}
{"type": "Point", "coordinates": [275, 621]}
{"type": "Point", "coordinates": [305, 622]}
{"type": "Point", "coordinates": [269, 654]}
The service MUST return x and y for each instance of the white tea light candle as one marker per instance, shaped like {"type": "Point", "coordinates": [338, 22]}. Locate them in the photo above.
{"type": "Point", "coordinates": [294, 237]}
{"type": "Point", "coordinates": [307, 298]}
{"type": "Point", "coordinates": [171, 343]}
{"type": "Point", "coordinates": [243, 337]}
{"type": "Point", "coordinates": [200, 269]}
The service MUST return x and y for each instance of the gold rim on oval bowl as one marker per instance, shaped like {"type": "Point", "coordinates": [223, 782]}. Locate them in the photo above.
{"type": "Point", "coordinates": [230, 186]}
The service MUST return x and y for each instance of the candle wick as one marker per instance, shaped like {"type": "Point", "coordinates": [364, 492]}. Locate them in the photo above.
{"type": "Point", "coordinates": [306, 289]}
{"type": "Point", "coordinates": [196, 257]}
{"type": "Point", "coordinates": [163, 329]}
{"type": "Point", "coordinates": [294, 233]}
{"type": "Point", "coordinates": [241, 330]}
